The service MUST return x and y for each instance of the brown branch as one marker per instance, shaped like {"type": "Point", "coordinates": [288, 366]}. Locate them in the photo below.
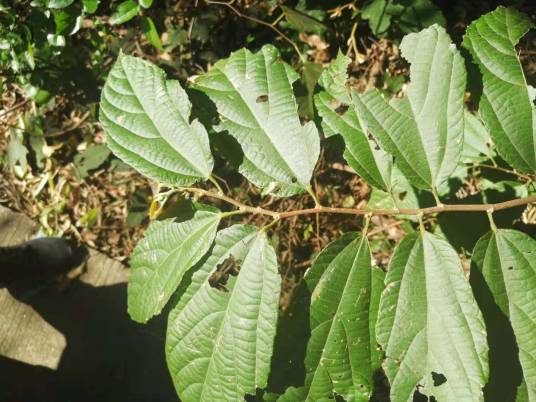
{"type": "Point", "coordinates": [365, 211]}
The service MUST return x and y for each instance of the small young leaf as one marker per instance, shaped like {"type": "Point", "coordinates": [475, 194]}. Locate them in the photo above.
{"type": "Point", "coordinates": [424, 130]}
{"type": "Point", "coordinates": [90, 159]}
{"type": "Point", "coordinates": [90, 6]}
{"type": "Point", "coordinates": [16, 152]}
{"type": "Point", "coordinates": [341, 352]}
{"type": "Point", "coordinates": [67, 20]}
{"type": "Point", "coordinates": [419, 14]}
{"type": "Point", "coordinates": [219, 341]}
{"type": "Point", "coordinates": [333, 78]}
{"type": "Point", "coordinates": [506, 260]}
{"type": "Point", "coordinates": [429, 324]}
{"type": "Point", "coordinates": [408, 15]}
{"type": "Point", "coordinates": [150, 32]}
{"type": "Point", "coordinates": [379, 14]}
{"type": "Point", "coordinates": [161, 258]}
{"type": "Point", "coordinates": [125, 12]}
{"type": "Point", "coordinates": [147, 122]}
{"type": "Point", "coordinates": [254, 97]}
{"type": "Point", "coordinates": [145, 3]}
{"type": "Point", "coordinates": [506, 104]}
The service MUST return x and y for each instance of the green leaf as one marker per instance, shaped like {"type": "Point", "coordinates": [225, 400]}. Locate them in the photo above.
{"type": "Point", "coordinates": [90, 6]}
{"type": "Point", "coordinates": [145, 3]}
{"type": "Point", "coordinates": [150, 32]}
{"type": "Point", "coordinates": [304, 93]}
{"type": "Point", "coordinates": [507, 263]}
{"type": "Point", "coordinates": [161, 258]}
{"type": "Point", "coordinates": [341, 352]}
{"type": "Point", "coordinates": [16, 152]}
{"type": "Point", "coordinates": [379, 14]}
{"type": "Point", "coordinates": [333, 79]}
{"type": "Point", "coordinates": [67, 20]}
{"type": "Point", "coordinates": [124, 12]}
{"type": "Point", "coordinates": [419, 14]}
{"type": "Point", "coordinates": [254, 98]}
{"type": "Point", "coordinates": [407, 15]}
{"type": "Point", "coordinates": [302, 22]}
{"type": "Point", "coordinates": [429, 324]}
{"type": "Point", "coordinates": [219, 341]}
{"type": "Point", "coordinates": [506, 102]}
{"type": "Point", "coordinates": [362, 154]}
{"type": "Point", "coordinates": [90, 159]}
{"type": "Point", "coordinates": [424, 130]}
{"type": "Point", "coordinates": [59, 3]}
{"type": "Point", "coordinates": [476, 140]}
{"type": "Point", "coordinates": [147, 120]}
{"type": "Point", "coordinates": [90, 218]}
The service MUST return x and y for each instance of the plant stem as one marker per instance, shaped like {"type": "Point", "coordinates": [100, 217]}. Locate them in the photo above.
{"type": "Point", "coordinates": [364, 211]}
{"type": "Point", "coordinates": [314, 197]}
{"type": "Point", "coordinates": [504, 170]}
{"type": "Point", "coordinates": [215, 182]}
{"type": "Point", "coordinates": [436, 197]}
{"type": "Point", "coordinates": [491, 221]}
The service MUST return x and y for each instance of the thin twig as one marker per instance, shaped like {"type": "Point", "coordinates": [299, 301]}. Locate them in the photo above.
{"type": "Point", "coordinates": [73, 127]}
{"type": "Point", "coordinates": [504, 170]}
{"type": "Point", "coordinates": [364, 211]}
{"type": "Point", "coordinates": [256, 20]}
{"type": "Point", "coordinates": [12, 109]}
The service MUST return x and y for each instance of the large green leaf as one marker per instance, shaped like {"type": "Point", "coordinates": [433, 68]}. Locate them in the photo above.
{"type": "Point", "coordinates": [362, 154]}
{"type": "Point", "coordinates": [429, 325]}
{"type": "Point", "coordinates": [341, 354]}
{"type": "Point", "coordinates": [506, 102]}
{"type": "Point", "coordinates": [254, 98]}
{"type": "Point", "coordinates": [424, 130]}
{"type": "Point", "coordinates": [219, 343]}
{"type": "Point", "coordinates": [161, 258]}
{"type": "Point", "coordinates": [507, 262]}
{"type": "Point", "coordinates": [146, 119]}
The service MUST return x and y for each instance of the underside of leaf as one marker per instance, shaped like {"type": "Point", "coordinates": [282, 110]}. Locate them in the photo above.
{"type": "Point", "coordinates": [341, 352]}
{"type": "Point", "coordinates": [424, 131]}
{"type": "Point", "coordinates": [162, 257]}
{"type": "Point", "coordinates": [255, 100]}
{"type": "Point", "coordinates": [507, 262]}
{"type": "Point", "coordinates": [429, 324]}
{"type": "Point", "coordinates": [146, 119]}
{"type": "Point", "coordinates": [506, 105]}
{"type": "Point", "coordinates": [219, 342]}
